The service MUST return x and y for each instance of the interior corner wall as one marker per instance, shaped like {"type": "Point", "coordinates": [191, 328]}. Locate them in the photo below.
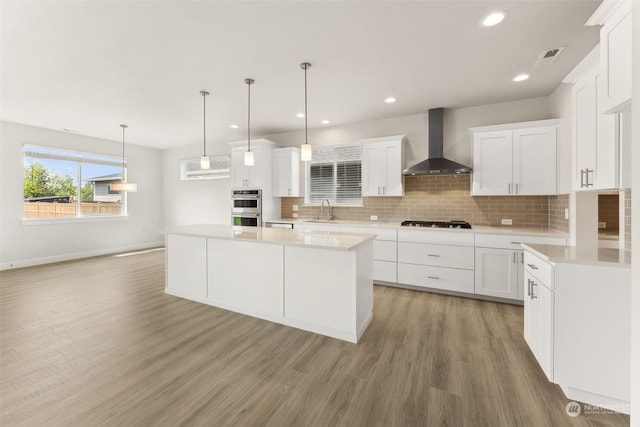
{"type": "Point", "coordinates": [23, 245]}
{"type": "Point", "coordinates": [198, 201]}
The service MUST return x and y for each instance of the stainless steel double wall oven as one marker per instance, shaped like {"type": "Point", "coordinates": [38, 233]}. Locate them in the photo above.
{"type": "Point", "coordinates": [246, 208]}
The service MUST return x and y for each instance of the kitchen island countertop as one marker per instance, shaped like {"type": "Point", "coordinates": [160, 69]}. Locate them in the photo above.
{"type": "Point", "coordinates": [610, 257]}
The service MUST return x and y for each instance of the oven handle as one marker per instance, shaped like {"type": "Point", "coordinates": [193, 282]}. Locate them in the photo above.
{"type": "Point", "coordinates": [248, 215]}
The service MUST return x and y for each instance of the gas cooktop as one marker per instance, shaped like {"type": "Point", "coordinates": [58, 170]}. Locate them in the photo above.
{"type": "Point", "coordinates": [437, 224]}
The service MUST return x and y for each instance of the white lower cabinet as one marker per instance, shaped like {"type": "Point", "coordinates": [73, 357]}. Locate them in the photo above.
{"type": "Point", "coordinates": [426, 260]}
{"type": "Point", "coordinates": [539, 314]}
{"type": "Point", "coordinates": [499, 273]}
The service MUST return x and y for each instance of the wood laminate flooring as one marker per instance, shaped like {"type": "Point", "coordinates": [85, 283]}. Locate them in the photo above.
{"type": "Point", "coordinates": [97, 342]}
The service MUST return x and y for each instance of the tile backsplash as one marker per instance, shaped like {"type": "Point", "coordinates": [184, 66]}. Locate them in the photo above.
{"type": "Point", "coordinates": [445, 198]}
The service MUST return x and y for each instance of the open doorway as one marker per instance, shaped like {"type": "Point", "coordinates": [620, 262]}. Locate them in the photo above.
{"type": "Point", "coordinates": [609, 219]}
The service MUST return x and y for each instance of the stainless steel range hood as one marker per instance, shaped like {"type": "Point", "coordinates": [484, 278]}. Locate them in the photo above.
{"type": "Point", "coordinates": [436, 164]}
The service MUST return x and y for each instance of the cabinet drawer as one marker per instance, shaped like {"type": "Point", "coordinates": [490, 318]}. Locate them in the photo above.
{"type": "Point", "coordinates": [436, 255]}
{"type": "Point", "coordinates": [450, 279]}
{"type": "Point", "coordinates": [538, 268]}
{"type": "Point", "coordinates": [385, 251]}
{"type": "Point", "coordinates": [513, 241]}
{"type": "Point", "coordinates": [452, 237]}
{"type": "Point", "coordinates": [385, 271]}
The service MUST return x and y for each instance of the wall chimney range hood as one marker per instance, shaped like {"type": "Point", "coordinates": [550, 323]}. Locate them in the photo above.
{"type": "Point", "coordinates": [436, 164]}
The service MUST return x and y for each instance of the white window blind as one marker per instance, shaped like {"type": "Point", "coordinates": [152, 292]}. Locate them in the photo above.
{"type": "Point", "coordinates": [335, 174]}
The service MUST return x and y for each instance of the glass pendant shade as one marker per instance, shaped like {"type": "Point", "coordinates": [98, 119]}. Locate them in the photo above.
{"type": "Point", "coordinates": [204, 162]}
{"type": "Point", "coordinates": [123, 185]}
{"type": "Point", "coordinates": [248, 158]}
{"type": "Point", "coordinates": [128, 187]}
{"type": "Point", "coordinates": [305, 152]}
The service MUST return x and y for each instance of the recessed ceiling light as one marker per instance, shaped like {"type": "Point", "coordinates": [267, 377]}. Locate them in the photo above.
{"type": "Point", "coordinates": [390, 100]}
{"type": "Point", "coordinates": [300, 115]}
{"type": "Point", "coordinates": [521, 77]}
{"type": "Point", "coordinates": [234, 126]}
{"type": "Point", "coordinates": [325, 122]}
{"type": "Point", "coordinates": [493, 19]}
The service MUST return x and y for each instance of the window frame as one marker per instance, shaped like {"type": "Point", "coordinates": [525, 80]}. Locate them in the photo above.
{"type": "Point", "coordinates": [334, 150]}
{"type": "Point", "coordinates": [75, 156]}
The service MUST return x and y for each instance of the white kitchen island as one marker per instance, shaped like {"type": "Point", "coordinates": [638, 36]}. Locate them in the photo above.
{"type": "Point", "coordinates": [317, 281]}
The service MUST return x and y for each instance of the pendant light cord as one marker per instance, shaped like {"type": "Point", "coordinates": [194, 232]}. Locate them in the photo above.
{"type": "Point", "coordinates": [204, 93]}
{"type": "Point", "coordinates": [249, 81]}
{"type": "Point", "coordinates": [305, 103]}
{"type": "Point", "coordinates": [123, 128]}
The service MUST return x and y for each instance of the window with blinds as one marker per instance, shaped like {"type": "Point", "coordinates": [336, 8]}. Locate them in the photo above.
{"type": "Point", "coordinates": [335, 174]}
{"type": "Point", "coordinates": [219, 168]}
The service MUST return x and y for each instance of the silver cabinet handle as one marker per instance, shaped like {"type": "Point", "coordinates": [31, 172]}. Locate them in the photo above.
{"type": "Point", "coordinates": [532, 266]}
{"type": "Point", "coordinates": [384, 190]}
{"type": "Point", "coordinates": [533, 296]}
{"type": "Point", "coordinates": [521, 257]}
{"type": "Point", "coordinates": [528, 287]}
{"type": "Point", "coordinates": [433, 277]}
{"type": "Point", "coordinates": [434, 255]}
{"type": "Point", "coordinates": [288, 191]}
{"type": "Point", "coordinates": [589, 171]}
{"type": "Point", "coordinates": [581, 178]}
{"type": "Point", "coordinates": [515, 257]}
{"type": "Point", "coordinates": [517, 188]}
{"type": "Point", "coordinates": [515, 243]}
{"type": "Point", "coordinates": [509, 192]}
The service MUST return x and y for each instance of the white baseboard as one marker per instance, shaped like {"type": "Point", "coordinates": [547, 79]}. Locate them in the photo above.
{"type": "Point", "coordinates": [9, 265]}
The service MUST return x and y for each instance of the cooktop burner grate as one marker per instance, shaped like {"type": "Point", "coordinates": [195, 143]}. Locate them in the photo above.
{"type": "Point", "coordinates": [436, 224]}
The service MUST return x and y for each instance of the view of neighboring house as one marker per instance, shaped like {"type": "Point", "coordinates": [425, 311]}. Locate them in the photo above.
{"type": "Point", "coordinates": [102, 188]}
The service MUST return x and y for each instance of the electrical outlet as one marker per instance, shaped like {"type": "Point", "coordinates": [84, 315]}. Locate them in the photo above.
{"type": "Point", "coordinates": [295, 208]}
{"type": "Point", "coordinates": [295, 215]}
{"type": "Point", "coordinates": [507, 222]}
{"type": "Point", "coordinates": [566, 213]}
{"type": "Point", "coordinates": [373, 217]}
{"type": "Point", "coordinates": [602, 224]}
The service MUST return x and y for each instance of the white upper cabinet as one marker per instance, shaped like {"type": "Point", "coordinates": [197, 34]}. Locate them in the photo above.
{"type": "Point", "coordinates": [595, 136]}
{"type": "Point", "coordinates": [615, 53]}
{"type": "Point", "coordinates": [515, 159]}
{"type": "Point", "coordinates": [256, 176]}
{"type": "Point", "coordinates": [286, 172]}
{"type": "Point", "coordinates": [382, 165]}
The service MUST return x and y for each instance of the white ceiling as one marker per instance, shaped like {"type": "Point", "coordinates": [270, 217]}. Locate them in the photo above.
{"type": "Point", "coordinates": [89, 66]}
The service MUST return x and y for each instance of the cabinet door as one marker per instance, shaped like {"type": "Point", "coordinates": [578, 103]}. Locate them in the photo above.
{"type": "Point", "coordinates": [605, 175]}
{"type": "Point", "coordinates": [238, 175]}
{"type": "Point", "coordinates": [391, 161]}
{"type": "Point", "coordinates": [615, 53]}
{"type": "Point", "coordinates": [584, 129]}
{"type": "Point", "coordinates": [371, 167]}
{"type": "Point", "coordinates": [497, 272]}
{"type": "Point", "coordinates": [544, 298]}
{"type": "Point", "coordinates": [286, 173]}
{"type": "Point", "coordinates": [531, 314]}
{"type": "Point", "coordinates": [522, 290]}
{"type": "Point", "coordinates": [534, 161]}
{"type": "Point", "coordinates": [254, 173]}
{"type": "Point", "coordinates": [492, 163]}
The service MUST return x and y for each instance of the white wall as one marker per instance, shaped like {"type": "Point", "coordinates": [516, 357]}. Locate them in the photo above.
{"type": "Point", "coordinates": [194, 202]}
{"type": "Point", "coordinates": [635, 221]}
{"type": "Point", "coordinates": [457, 145]}
{"type": "Point", "coordinates": [22, 245]}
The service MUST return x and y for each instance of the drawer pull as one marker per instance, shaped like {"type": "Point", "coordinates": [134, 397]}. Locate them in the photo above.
{"type": "Point", "coordinates": [516, 243]}
{"type": "Point", "coordinates": [433, 277]}
{"type": "Point", "coordinates": [434, 255]}
{"type": "Point", "coordinates": [532, 266]}
{"type": "Point", "coordinates": [528, 287]}
{"type": "Point", "coordinates": [533, 296]}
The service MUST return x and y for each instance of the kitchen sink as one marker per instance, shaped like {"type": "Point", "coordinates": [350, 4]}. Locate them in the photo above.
{"type": "Point", "coordinates": [322, 221]}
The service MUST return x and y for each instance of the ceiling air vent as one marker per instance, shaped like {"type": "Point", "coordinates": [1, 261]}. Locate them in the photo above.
{"type": "Point", "coordinates": [548, 57]}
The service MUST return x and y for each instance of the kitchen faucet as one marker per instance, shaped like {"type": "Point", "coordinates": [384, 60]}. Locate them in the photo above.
{"type": "Point", "coordinates": [329, 216]}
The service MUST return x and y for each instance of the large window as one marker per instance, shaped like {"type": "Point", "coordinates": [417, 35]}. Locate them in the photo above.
{"type": "Point", "coordinates": [335, 174]}
{"type": "Point", "coordinates": [67, 184]}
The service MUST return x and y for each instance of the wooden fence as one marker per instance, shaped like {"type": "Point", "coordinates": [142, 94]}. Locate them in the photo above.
{"type": "Point", "coordinates": [68, 210]}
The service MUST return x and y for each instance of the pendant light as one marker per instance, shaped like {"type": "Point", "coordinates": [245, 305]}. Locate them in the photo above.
{"type": "Point", "coordinates": [204, 160]}
{"type": "Point", "coordinates": [123, 185]}
{"type": "Point", "coordinates": [305, 149]}
{"type": "Point", "coordinates": [248, 155]}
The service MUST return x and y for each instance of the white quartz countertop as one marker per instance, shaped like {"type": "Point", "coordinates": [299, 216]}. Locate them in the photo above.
{"type": "Point", "coordinates": [315, 239]}
{"type": "Point", "coordinates": [577, 255]}
{"type": "Point", "coordinates": [509, 230]}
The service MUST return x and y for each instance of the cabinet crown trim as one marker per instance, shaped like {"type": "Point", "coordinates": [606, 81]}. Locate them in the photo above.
{"type": "Point", "coordinates": [606, 10]}
{"type": "Point", "coordinates": [587, 64]}
{"type": "Point", "coordinates": [518, 125]}
{"type": "Point", "coordinates": [259, 141]}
